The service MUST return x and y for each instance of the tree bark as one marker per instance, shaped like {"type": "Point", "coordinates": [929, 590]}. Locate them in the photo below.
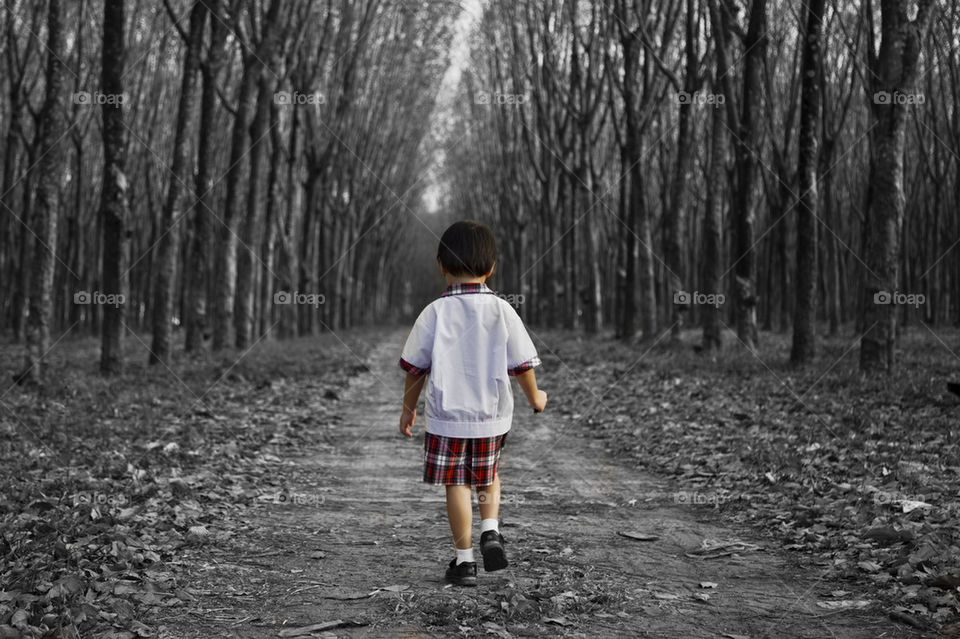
{"type": "Point", "coordinates": [247, 259]}
{"type": "Point", "coordinates": [805, 310]}
{"type": "Point", "coordinates": [198, 271]}
{"type": "Point", "coordinates": [894, 75]}
{"type": "Point", "coordinates": [627, 325]}
{"type": "Point", "coordinates": [44, 222]}
{"type": "Point", "coordinates": [253, 67]}
{"type": "Point", "coordinates": [226, 254]}
{"type": "Point", "coordinates": [180, 172]}
{"type": "Point", "coordinates": [676, 219]}
{"type": "Point", "coordinates": [114, 210]}
{"type": "Point", "coordinates": [275, 203]}
{"type": "Point", "coordinates": [711, 269]}
{"type": "Point", "coordinates": [747, 149]}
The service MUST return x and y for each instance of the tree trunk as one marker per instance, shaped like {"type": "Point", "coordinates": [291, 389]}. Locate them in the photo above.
{"type": "Point", "coordinates": [44, 222]}
{"type": "Point", "coordinates": [247, 259]}
{"type": "Point", "coordinates": [226, 255]}
{"type": "Point", "coordinates": [747, 146]}
{"type": "Point", "coordinates": [647, 283]}
{"type": "Point", "coordinates": [198, 270]}
{"type": "Point", "coordinates": [590, 293]}
{"type": "Point", "coordinates": [288, 262]}
{"type": "Point", "coordinates": [627, 327]}
{"type": "Point", "coordinates": [805, 311]}
{"type": "Point", "coordinates": [712, 270]}
{"type": "Point", "coordinates": [253, 68]}
{"type": "Point", "coordinates": [180, 172]}
{"type": "Point", "coordinates": [676, 218]}
{"type": "Point", "coordinates": [895, 75]}
{"type": "Point", "coordinates": [275, 203]}
{"type": "Point", "coordinates": [113, 204]}
{"type": "Point", "coordinates": [9, 269]}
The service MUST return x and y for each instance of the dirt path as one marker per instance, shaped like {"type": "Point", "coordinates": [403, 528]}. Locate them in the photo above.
{"type": "Point", "coordinates": [359, 520]}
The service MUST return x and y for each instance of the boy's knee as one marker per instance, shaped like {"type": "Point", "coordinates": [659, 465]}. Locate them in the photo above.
{"type": "Point", "coordinates": [490, 486]}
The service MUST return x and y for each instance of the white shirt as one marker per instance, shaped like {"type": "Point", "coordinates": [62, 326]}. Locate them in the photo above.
{"type": "Point", "coordinates": [470, 341]}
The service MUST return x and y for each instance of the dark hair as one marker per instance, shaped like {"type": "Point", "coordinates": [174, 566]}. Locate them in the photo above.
{"type": "Point", "coordinates": [467, 248]}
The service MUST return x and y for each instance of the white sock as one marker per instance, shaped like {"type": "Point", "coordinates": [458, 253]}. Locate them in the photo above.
{"type": "Point", "coordinates": [489, 524]}
{"type": "Point", "coordinates": [464, 555]}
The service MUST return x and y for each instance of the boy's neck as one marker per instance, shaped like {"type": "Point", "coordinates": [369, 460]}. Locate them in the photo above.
{"type": "Point", "coordinates": [464, 279]}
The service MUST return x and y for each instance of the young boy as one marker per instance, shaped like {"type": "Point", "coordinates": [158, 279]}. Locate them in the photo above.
{"type": "Point", "coordinates": [469, 341]}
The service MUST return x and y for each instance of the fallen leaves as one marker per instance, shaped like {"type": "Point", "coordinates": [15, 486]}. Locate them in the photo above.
{"type": "Point", "coordinates": [639, 536]}
{"type": "Point", "coordinates": [859, 474]}
{"type": "Point", "coordinates": [557, 621]}
{"type": "Point", "coordinates": [844, 604]}
{"type": "Point", "coordinates": [306, 631]}
{"type": "Point", "coordinates": [714, 549]}
{"type": "Point", "coordinates": [350, 595]}
{"type": "Point", "coordinates": [91, 536]}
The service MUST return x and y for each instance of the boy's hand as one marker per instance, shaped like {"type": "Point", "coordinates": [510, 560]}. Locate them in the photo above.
{"type": "Point", "coordinates": [407, 417]}
{"type": "Point", "coordinates": [540, 402]}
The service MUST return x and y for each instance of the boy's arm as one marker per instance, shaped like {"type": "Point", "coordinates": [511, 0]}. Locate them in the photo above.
{"type": "Point", "coordinates": [535, 397]}
{"type": "Point", "coordinates": [412, 386]}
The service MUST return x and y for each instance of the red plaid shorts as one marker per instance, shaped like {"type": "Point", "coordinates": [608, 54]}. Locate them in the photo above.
{"type": "Point", "coordinates": [455, 461]}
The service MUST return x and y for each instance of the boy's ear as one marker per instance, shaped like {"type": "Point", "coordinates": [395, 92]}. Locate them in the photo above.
{"type": "Point", "coordinates": [443, 271]}
{"type": "Point", "coordinates": [490, 272]}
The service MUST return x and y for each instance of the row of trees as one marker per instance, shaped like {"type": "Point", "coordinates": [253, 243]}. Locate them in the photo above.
{"type": "Point", "coordinates": [795, 159]}
{"type": "Point", "coordinates": [192, 167]}
{"type": "Point", "coordinates": [201, 164]}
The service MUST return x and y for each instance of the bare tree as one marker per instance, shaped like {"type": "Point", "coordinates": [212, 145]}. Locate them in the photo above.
{"type": "Point", "coordinates": [47, 213]}
{"type": "Point", "coordinates": [711, 266]}
{"type": "Point", "coordinates": [805, 311]}
{"type": "Point", "coordinates": [746, 149]}
{"type": "Point", "coordinates": [255, 54]}
{"type": "Point", "coordinates": [676, 223]}
{"type": "Point", "coordinates": [202, 209]}
{"type": "Point", "coordinates": [894, 71]}
{"type": "Point", "coordinates": [113, 205]}
{"type": "Point", "coordinates": [180, 172]}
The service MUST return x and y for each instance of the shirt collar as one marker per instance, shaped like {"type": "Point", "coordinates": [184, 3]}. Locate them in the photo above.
{"type": "Point", "coordinates": [466, 289]}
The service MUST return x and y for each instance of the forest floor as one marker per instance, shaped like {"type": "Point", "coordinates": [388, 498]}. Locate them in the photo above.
{"type": "Point", "coordinates": [661, 494]}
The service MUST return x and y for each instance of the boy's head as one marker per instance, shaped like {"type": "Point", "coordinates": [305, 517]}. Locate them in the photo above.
{"type": "Point", "coordinates": [467, 248]}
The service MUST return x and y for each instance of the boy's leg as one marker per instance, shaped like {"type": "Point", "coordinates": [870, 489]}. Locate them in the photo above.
{"type": "Point", "coordinates": [463, 569]}
{"type": "Point", "coordinates": [460, 514]}
{"type": "Point", "coordinates": [491, 542]}
{"type": "Point", "coordinates": [489, 498]}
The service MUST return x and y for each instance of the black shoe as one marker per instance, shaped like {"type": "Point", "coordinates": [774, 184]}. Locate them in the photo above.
{"type": "Point", "coordinates": [464, 574]}
{"type": "Point", "coordinates": [491, 547]}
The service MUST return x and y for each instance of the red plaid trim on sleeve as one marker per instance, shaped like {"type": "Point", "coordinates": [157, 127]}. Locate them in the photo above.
{"type": "Point", "coordinates": [413, 370]}
{"type": "Point", "coordinates": [524, 367]}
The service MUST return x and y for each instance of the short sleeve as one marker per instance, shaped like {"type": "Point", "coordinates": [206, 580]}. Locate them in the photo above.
{"type": "Point", "coordinates": [521, 353]}
{"type": "Point", "coordinates": [417, 353]}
